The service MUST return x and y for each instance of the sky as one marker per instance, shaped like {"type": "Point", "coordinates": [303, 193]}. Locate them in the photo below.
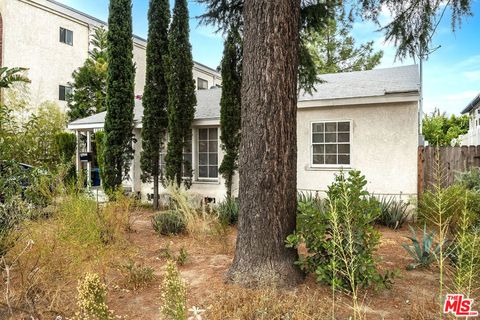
{"type": "Point", "coordinates": [451, 73]}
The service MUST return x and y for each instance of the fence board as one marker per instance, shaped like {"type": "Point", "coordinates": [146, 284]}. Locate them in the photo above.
{"type": "Point", "coordinates": [450, 160]}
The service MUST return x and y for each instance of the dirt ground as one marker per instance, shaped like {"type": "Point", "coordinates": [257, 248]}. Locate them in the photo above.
{"type": "Point", "coordinates": [411, 297]}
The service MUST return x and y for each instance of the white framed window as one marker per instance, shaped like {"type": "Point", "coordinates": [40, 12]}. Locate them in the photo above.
{"type": "Point", "coordinates": [66, 36]}
{"type": "Point", "coordinates": [207, 154]}
{"type": "Point", "coordinates": [331, 143]}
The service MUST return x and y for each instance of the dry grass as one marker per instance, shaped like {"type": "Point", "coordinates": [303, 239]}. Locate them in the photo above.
{"type": "Point", "coordinates": [78, 238]}
{"type": "Point", "coordinates": [236, 303]}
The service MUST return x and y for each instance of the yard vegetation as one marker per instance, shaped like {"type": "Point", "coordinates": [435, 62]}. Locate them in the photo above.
{"type": "Point", "coordinates": [284, 254]}
{"type": "Point", "coordinates": [69, 256]}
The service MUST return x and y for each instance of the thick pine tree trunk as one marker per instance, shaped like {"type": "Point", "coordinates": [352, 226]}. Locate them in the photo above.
{"type": "Point", "coordinates": [268, 151]}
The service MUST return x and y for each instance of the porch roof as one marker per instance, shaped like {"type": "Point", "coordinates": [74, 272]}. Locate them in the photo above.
{"type": "Point", "coordinates": [335, 87]}
{"type": "Point", "coordinates": [208, 107]}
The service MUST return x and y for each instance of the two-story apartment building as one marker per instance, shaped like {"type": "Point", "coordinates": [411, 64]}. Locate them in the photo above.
{"type": "Point", "coordinates": [52, 40]}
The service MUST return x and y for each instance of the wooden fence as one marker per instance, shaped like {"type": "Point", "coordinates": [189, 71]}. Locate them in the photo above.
{"type": "Point", "coordinates": [450, 160]}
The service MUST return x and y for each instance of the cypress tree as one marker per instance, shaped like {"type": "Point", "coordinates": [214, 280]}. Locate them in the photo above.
{"type": "Point", "coordinates": [155, 97]}
{"type": "Point", "coordinates": [181, 94]}
{"type": "Point", "coordinates": [120, 94]}
{"type": "Point", "coordinates": [230, 105]}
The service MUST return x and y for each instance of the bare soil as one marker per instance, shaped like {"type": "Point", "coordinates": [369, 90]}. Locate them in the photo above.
{"type": "Point", "coordinates": [412, 295]}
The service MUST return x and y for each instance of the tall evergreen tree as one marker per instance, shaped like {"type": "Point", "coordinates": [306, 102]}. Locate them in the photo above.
{"type": "Point", "coordinates": [155, 95]}
{"type": "Point", "coordinates": [230, 105]}
{"type": "Point", "coordinates": [181, 94]}
{"type": "Point", "coordinates": [120, 94]}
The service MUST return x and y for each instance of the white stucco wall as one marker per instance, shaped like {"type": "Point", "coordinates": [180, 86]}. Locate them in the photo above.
{"type": "Point", "coordinates": [383, 147]}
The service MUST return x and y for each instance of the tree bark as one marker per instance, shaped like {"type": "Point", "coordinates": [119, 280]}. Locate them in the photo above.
{"type": "Point", "coordinates": [268, 150]}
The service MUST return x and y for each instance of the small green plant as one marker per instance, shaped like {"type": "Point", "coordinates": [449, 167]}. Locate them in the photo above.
{"type": "Point", "coordinates": [228, 211]}
{"type": "Point", "coordinates": [424, 252]}
{"type": "Point", "coordinates": [174, 294]}
{"type": "Point", "coordinates": [182, 257]}
{"type": "Point", "coordinates": [393, 214]}
{"type": "Point", "coordinates": [92, 297]}
{"type": "Point", "coordinates": [137, 275]}
{"type": "Point", "coordinates": [168, 222]}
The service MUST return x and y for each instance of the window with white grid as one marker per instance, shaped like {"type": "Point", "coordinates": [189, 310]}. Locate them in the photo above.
{"type": "Point", "coordinates": [331, 143]}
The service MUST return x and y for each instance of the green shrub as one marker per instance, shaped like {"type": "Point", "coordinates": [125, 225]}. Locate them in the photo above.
{"type": "Point", "coordinates": [393, 214]}
{"type": "Point", "coordinates": [228, 211]}
{"type": "Point", "coordinates": [447, 204]}
{"type": "Point", "coordinates": [423, 251]}
{"type": "Point", "coordinates": [469, 179]}
{"type": "Point", "coordinates": [339, 235]}
{"type": "Point", "coordinates": [168, 222]}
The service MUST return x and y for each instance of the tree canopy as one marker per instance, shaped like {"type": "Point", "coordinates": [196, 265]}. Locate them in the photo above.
{"type": "Point", "coordinates": [441, 130]}
{"type": "Point", "coordinates": [333, 49]}
{"type": "Point", "coordinates": [90, 80]}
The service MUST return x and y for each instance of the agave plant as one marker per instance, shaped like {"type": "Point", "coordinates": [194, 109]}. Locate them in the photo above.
{"type": "Point", "coordinates": [424, 252]}
{"type": "Point", "coordinates": [393, 213]}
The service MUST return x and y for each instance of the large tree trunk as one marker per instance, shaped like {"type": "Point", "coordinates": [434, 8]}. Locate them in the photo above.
{"type": "Point", "coordinates": [268, 151]}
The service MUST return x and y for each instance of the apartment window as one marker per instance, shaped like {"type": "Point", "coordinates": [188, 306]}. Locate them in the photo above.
{"type": "Point", "coordinates": [208, 153]}
{"type": "Point", "coordinates": [331, 143]}
{"type": "Point", "coordinates": [202, 84]}
{"type": "Point", "coordinates": [66, 36]}
{"type": "Point", "coordinates": [64, 92]}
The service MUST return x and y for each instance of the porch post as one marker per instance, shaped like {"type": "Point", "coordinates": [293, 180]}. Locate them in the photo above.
{"type": "Point", "coordinates": [89, 163]}
{"type": "Point", "coordinates": [77, 152]}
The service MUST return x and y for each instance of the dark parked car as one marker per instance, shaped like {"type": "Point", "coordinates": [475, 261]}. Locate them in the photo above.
{"type": "Point", "coordinates": [14, 175]}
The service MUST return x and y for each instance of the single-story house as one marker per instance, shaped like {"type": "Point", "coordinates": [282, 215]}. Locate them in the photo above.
{"type": "Point", "coordinates": [472, 137]}
{"type": "Point", "coordinates": [365, 120]}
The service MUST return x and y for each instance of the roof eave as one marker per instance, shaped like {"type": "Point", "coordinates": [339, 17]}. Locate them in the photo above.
{"type": "Point", "coordinates": [472, 105]}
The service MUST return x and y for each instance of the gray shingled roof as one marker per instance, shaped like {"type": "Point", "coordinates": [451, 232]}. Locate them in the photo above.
{"type": "Point", "coordinates": [208, 107]}
{"type": "Point", "coordinates": [377, 82]}
{"type": "Point", "coordinates": [372, 83]}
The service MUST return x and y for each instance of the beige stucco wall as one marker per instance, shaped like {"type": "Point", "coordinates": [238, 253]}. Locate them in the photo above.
{"type": "Point", "coordinates": [206, 74]}
{"type": "Point", "coordinates": [384, 146]}
{"type": "Point", "coordinates": [31, 39]}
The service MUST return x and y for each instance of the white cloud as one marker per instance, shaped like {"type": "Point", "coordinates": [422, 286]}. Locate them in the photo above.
{"type": "Point", "coordinates": [472, 75]}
